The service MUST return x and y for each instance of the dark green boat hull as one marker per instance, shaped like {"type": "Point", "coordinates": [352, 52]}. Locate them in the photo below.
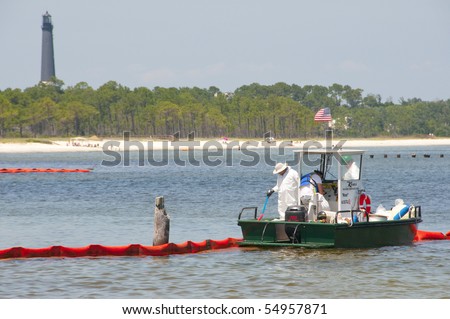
{"type": "Point", "coordinates": [320, 235]}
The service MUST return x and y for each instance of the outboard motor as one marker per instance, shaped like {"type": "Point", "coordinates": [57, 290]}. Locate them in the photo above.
{"type": "Point", "coordinates": [294, 214]}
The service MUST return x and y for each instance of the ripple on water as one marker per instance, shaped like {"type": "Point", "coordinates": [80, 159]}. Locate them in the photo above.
{"type": "Point", "coordinates": [114, 206]}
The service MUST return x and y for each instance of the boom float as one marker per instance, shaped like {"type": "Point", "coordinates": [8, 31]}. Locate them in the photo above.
{"type": "Point", "coordinates": [431, 235]}
{"type": "Point", "coordinates": [43, 170]}
{"type": "Point", "coordinates": [187, 247]}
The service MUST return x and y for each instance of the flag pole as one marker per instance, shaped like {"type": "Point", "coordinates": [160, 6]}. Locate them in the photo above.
{"type": "Point", "coordinates": [329, 137]}
{"type": "Point", "coordinates": [324, 115]}
{"type": "Point", "coordinates": [329, 134]}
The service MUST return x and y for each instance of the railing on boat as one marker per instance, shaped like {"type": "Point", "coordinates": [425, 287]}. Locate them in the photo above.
{"type": "Point", "coordinates": [248, 208]}
{"type": "Point", "coordinates": [413, 212]}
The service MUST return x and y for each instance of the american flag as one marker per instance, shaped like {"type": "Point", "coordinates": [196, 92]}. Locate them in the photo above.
{"type": "Point", "coordinates": [323, 115]}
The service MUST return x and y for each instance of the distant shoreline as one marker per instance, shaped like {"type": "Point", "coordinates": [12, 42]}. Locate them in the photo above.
{"type": "Point", "coordinates": [118, 145]}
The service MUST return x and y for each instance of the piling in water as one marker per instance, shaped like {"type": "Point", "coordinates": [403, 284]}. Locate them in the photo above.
{"type": "Point", "coordinates": [161, 223]}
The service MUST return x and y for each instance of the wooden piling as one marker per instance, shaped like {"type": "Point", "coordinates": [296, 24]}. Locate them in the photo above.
{"type": "Point", "coordinates": [161, 223]}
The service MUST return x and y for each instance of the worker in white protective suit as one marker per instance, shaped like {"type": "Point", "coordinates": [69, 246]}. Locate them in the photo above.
{"type": "Point", "coordinates": [311, 186]}
{"type": "Point", "coordinates": [287, 187]}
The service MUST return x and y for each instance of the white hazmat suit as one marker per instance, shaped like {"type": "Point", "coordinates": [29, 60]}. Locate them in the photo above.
{"type": "Point", "coordinates": [287, 189]}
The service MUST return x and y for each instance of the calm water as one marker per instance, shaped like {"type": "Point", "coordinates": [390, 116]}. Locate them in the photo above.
{"type": "Point", "coordinates": [114, 206]}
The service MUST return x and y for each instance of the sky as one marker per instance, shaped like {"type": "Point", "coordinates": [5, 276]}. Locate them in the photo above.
{"type": "Point", "coordinates": [394, 48]}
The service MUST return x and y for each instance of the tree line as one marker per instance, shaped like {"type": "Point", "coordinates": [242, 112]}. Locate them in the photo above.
{"type": "Point", "coordinates": [287, 111]}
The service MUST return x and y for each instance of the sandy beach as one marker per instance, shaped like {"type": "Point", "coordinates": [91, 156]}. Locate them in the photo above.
{"type": "Point", "coordinates": [118, 145]}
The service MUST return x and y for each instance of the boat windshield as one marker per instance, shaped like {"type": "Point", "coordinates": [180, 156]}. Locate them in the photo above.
{"type": "Point", "coordinates": [350, 167]}
{"type": "Point", "coordinates": [331, 171]}
{"type": "Point", "coordinates": [310, 163]}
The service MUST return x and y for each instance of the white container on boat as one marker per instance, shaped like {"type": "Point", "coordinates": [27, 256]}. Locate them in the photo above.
{"type": "Point", "coordinates": [377, 218]}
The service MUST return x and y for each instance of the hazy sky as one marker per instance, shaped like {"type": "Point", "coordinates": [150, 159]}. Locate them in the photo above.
{"type": "Point", "coordinates": [392, 48]}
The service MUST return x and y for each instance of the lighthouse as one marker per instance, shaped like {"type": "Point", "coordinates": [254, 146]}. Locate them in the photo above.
{"type": "Point", "coordinates": [48, 58]}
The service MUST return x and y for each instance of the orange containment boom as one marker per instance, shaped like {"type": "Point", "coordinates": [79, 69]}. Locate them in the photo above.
{"type": "Point", "coordinates": [430, 235]}
{"type": "Point", "coordinates": [43, 170]}
{"type": "Point", "coordinates": [188, 247]}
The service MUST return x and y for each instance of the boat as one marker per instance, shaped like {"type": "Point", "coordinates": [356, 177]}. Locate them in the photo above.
{"type": "Point", "coordinates": [348, 221]}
